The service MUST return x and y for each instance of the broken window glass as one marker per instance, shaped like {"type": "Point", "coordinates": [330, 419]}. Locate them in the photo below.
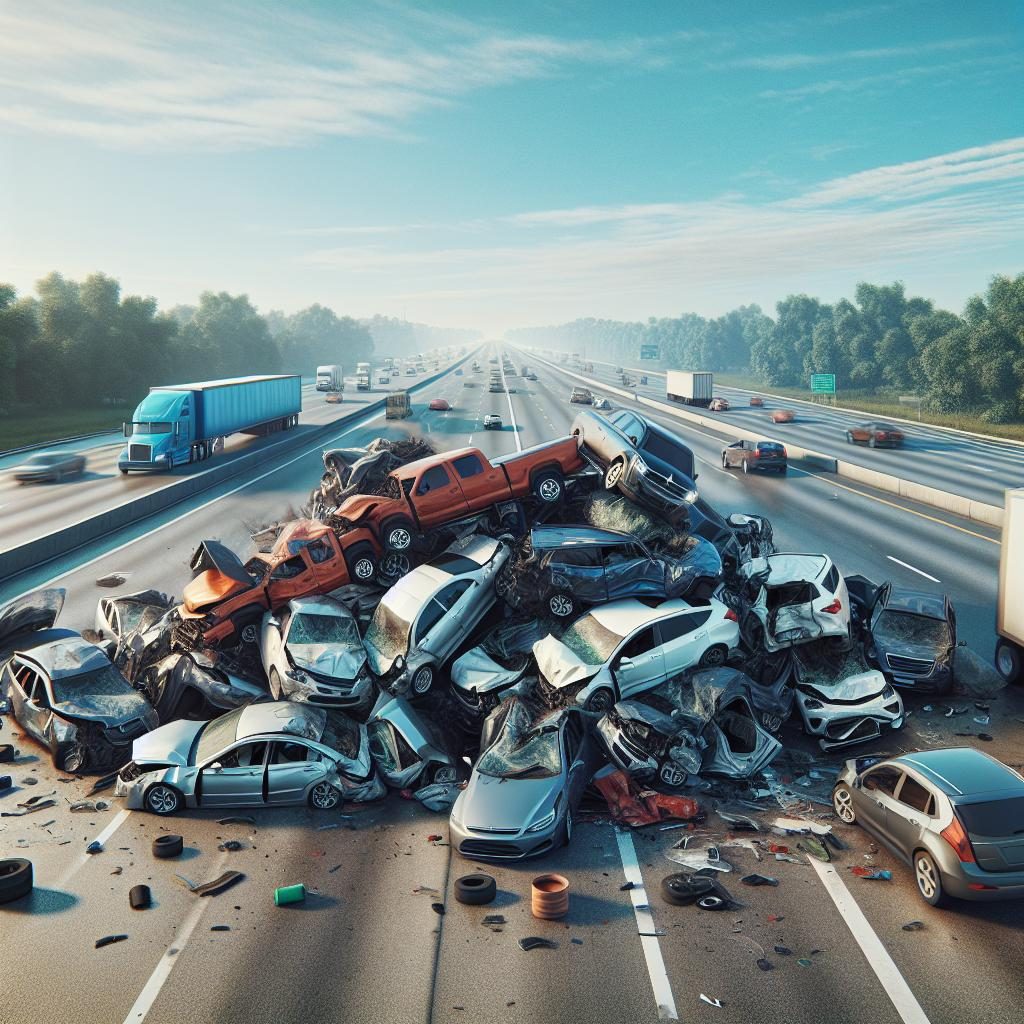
{"type": "Point", "coordinates": [914, 629]}
{"type": "Point", "coordinates": [323, 629]}
{"type": "Point", "coordinates": [524, 749]}
{"type": "Point", "coordinates": [102, 682]}
{"type": "Point", "coordinates": [590, 641]}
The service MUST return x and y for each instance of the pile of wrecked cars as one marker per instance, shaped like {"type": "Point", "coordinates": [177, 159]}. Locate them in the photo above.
{"type": "Point", "coordinates": [488, 633]}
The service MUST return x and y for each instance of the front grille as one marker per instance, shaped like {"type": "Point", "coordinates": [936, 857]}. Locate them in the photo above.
{"type": "Point", "coordinates": [140, 453]}
{"type": "Point", "coordinates": [493, 831]}
{"type": "Point", "coordinates": [914, 666]}
{"type": "Point", "coordinates": [659, 480]}
{"type": "Point", "coordinates": [335, 685]}
{"type": "Point", "coordinates": [488, 848]}
{"type": "Point", "coordinates": [865, 729]}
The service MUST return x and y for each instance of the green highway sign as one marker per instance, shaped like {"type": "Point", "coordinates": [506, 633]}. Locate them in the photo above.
{"type": "Point", "coordinates": [823, 383]}
{"type": "Point", "coordinates": [648, 351]}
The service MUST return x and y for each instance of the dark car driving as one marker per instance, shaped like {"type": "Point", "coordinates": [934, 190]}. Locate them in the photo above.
{"type": "Point", "coordinates": [756, 456]}
{"type": "Point", "coordinates": [644, 461]}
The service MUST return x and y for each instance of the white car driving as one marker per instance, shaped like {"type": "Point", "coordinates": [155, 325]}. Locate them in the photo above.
{"type": "Point", "coordinates": [625, 647]}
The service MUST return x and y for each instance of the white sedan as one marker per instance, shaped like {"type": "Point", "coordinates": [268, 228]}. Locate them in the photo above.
{"type": "Point", "coordinates": [625, 647]}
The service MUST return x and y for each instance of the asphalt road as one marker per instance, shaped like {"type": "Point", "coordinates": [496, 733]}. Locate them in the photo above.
{"type": "Point", "coordinates": [370, 948]}
{"type": "Point", "coordinates": [972, 466]}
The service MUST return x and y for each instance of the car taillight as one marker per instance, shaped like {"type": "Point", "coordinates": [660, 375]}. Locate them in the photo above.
{"type": "Point", "coordinates": [784, 454]}
{"type": "Point", "coordinates": [757, 453]}
{"type": "Point", "coordinates": [955, 835]}
{"type": "Point", "coordinates": [731, 615]}
{"type": "Point", "coordinates": [834, 608]}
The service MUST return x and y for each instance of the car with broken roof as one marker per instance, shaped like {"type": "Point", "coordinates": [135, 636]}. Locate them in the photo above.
{"type": "Point", "coordinates": [702, 722]}
{"type": "Point", "coordinates": [118, 616]}
{"type": "Point", "coordinates": [955, 815]}
{"type": "Point", "coordinates": [581, 396]}
{"type": "Point", "coordinates": [312, 653]}
{"type": "Point", "coordinates": [568, 567]}
{"type": "Point", "coordinates": [624, 647]}
{"type": "Point", "coordinates": [225, 601]}
{"type": "Point", "coordinates": [641, 459]}
{"type": "Point", "coordinates": [789, 598]}
{"type": "Point", "coordinates": [756, 457]}
{"type": "Point", "coordinates": [430, 611]}
{"type": "Point", "coordinates": [911, 634]}
{"type": "Point", "coordinates": [64, 691]}
{"type": "Point", "coordinates": [411, 747]}
{"type": "Point", "coordinates": [263, 754]}
{"type": "Point", "coordinates": [526, 786]}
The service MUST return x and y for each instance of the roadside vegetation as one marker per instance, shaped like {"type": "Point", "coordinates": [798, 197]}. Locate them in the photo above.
{"type": "Point", "coordinates": [29, 425]}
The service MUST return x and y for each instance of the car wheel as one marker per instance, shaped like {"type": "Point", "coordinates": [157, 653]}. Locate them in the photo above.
{"type": "Point", "coordinates": [783, 470]}
{"type": "Point", "coordinates": [423, 680]}
{"type": "Point", "coordinates": [561, 604]}
{"type": "Point", "coordinates": [168, 846]}
{"type": "Point", "coordinates": [444, 775]}
{"type": "Point", "coordinates": [548, 487]}
{"type": "Point", "coordinates": [398, 535]}
{"type": "Point", "coordinates": [613, 474]}
{"type": "Point", "coordinates": [842, 804]}
{"type": "Point", "coordinates": [15, 879]}
{"type": "Point", "coordinates": [361, 564]}
{"type": "Point", "coordinates": [324, 797]}
{"type": "Point", "coordinates": [276, 690]}
{"type": "Point", "coordinates": [70, 757]}
{"type": "Point", "coordinates": [249, 633]}
{"type": "Point", "coordinates": [392, 566]}
{"type": "Point", "coordinates": [600, 700]}
{"type": "Point", "coordinates": [746, 465]}
{"type": "Point", "coordinates": [928, 878]}
{"type": "Point", "coordinates": [714, 657]}
{"type": "Point", "coordinates": [849, 438]}
{"type": "Point", "coordinates": [725, 461]}
{"type": "Point", "coordinates": [1009, 661]}
{"type": "Point", "coordinates": [163, 799]}
{"type": "Point", "coordinates": [475, 890]}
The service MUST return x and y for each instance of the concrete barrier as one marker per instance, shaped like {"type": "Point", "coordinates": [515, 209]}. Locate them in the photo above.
{"type": "Point", "coordinates": [60, 542]}
{"type": "Point", "coordinates": [958, 504]}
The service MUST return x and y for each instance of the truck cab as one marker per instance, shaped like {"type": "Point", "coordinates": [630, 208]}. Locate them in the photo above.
{"type": "Point", "coordinates": [161, 433]}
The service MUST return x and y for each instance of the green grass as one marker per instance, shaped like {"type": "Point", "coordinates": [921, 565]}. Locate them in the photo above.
{"type": "Point", "coordinates": [30, 426]}
{"type": "Point", "coordinates": [884, 406]}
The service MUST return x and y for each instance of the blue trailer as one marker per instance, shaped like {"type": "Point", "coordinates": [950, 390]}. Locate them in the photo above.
{"type": "Point", "coordinates": [183, 422]}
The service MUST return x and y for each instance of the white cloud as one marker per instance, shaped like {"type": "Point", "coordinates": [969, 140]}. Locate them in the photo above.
{"type": "Point", "coordinates": [796, 61]}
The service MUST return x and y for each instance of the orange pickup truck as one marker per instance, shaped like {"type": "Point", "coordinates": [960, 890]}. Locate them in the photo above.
{"type": "Point", "coordinates": [444, 488]}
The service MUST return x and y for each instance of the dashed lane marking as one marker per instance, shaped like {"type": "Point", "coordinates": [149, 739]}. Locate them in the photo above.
{"type": "Point", "coordinates": [907, 565]}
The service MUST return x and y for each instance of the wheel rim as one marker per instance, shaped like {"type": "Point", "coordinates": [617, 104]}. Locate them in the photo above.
{"type": "Point", "coordinates": [400, 539]}
{"type": "Point", "coordinates": [560, 605]}
{"type": "Point", "coordinates": [927, 880]}
{"type": "Point", "coordinates": [325, 796]}
{"type": "Point", "coordinates": [394, 565]}
{"type": "Point", "coordinates": [1005, 661]}
{"type": "Point", "coordinates": [445, 776]}
{"type": "Point", "coordinates": [601, 701]}
{"type": "Point", "coordinates": [73, 761]}
{"type": "Point", "coordinates": [162, 799]}
{"type": "Point", "coordinates": [249, 634]}
{"type": "Point", "coordinates": [364, 568]}
{"type": "Point", "coordinates": [614, 474]}
{"type": "Point", "coordinates": [550, 489]}
{"type": "Point", "coordinates": [713, 657]}
{"type": "Point", "coordinates": [422, 679]}
{"type": "Point", "coordinates": [671, 775]}
{"type": "Point", "coordinates": [843, 804]}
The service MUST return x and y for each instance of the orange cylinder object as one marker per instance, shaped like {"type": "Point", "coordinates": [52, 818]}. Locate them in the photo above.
{"type": "Point", "coordinates": [550, 897]}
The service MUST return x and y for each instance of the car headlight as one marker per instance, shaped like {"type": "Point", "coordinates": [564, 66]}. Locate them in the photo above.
{"type": "Point", "coordinates": [639, 463]}
{"type": "Point", "coordinates": [888, 692]}
{"type": "Point", "coordinates": [295, 673]}
{"type": "Point", "coordinates": [542, 823]}
{"type": "Point", "coordinates": [811, 704]}
{"type": "Point", "coordinates": [690, 497]}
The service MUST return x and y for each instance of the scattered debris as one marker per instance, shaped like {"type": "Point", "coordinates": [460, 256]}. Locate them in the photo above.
{"type": "Point", "coordinates": [286, 894]}
{"type": "Point", "coordinates": [139, 897]}
{"type": "Point", "coordinates": [220, 927]}
{"type": "Point", "coordinates": [913, 926]}
{"type": "Point", "coordinates": [229, 844]}
{"type": "Point", "coordinates": [82, 806]}
{"type": "Point", "coordinates": [109, 940]}
{"type": "Point", "coordinates": [814, 848]}
{"type": "Point", "coordinates": [536, 942]}
{"type": "Point", "coordinates": [759, 880]}
{"type": "Point", "coordinates": [114, 579]}
{"type": "Point", "coordinates": [710, 1001]}
{"type": "Point", "coordinates": [94, 847]}
{"type": "Point", "coordinates": [237, 819]}
{"type": "Point", "coordinates": [438, 908]}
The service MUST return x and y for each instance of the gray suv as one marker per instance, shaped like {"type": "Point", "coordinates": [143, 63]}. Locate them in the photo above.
{"type": "Point", "coordinates": [954, 814]}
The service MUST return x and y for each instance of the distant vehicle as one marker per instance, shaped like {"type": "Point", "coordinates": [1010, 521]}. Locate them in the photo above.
{"type": "Point", "coordinates": [329, 378]}
{"type": "Point", "coordinates": [783, 415]}
{"type": "Point", "coordinates": [181, 423]}
{"type": "Point", "coordinates": [273, 753]}
{"type": "Point", "coordinates": [530, 376]}
{"type": "Point", "coordinates": [363, 372]}
{"type": "Point", "coordinates": [492, 421]}
{"type": "Point", "coordinates": [756, 402]}
{"type": "Point", "coordinates": [1010, 603]}
{"type": "Point", "coordinates": [477, 368]}
{"type": "Point", "coordinates": [439, 405]}
{"type": "Point", "coordinates": [602, 404]}
{"type": "Point", "coordinates": [524, 371]}
{"type": "Point", "coordinates": [397, 406]}
{"type": "Point", "coordinates": [49, 466]}
{"type": "Point", "coordinates": [689, 387]}
{"type": "Point", "coordinates": [876, 435]}
{"type": "Point", "coordinates": [510, 371]}
{"type": "Point", "coordinates": [459, 372]}
{"type": "Point", "coordinates": [495, 387]}
{"type": "Point", "coordinates": [719, 405]}
{"type": "Point", "coordinates": [410, 371]}
{"type": "Point", "coordinates": [756, 456]}
{"type": "Point", "coordinates": [384, 379]}
{"type": "Point", "coordinates": [581, 396]}
{"type": "Point", "coordinates": [954, 814]}
{"type": "Point", "coordinates": [469, 383]}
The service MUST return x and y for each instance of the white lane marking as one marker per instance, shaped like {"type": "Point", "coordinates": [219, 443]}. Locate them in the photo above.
{"type": "Point", "coordinates": [645, 926]}
{"type": "Point", "coordinates": [119, 819]}
{"type": "Point", "coordinates": [511, 412]}
{"type": "Point", "coordinates": [907, 565]}
{"type": "Point", "coordinates": [895, 985]}
{"type": "Point", "coordinates": [165, 965]}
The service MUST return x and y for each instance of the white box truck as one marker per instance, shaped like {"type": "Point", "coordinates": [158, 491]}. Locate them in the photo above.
{"type": "Point", "coordinates": [363, 376]}
{"type": "Point", "coordinates": [329, 378]}
{"type": "Point", "coordinates": [690, 387]}
{"type": "Point", "coordinates": [1010, 604]}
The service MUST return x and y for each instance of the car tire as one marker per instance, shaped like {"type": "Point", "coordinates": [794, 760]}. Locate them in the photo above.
{"type": "Point", "coordinates": [746, 465]}
{"type": "Point", "coordinates": [714, 657]}
{"type": "Point", "coordinates": [561, 604]}
{"type": "Point", "coordinates": [1009, 661]}
{"type": "Point", "coordinates": [393, 566]}
{"type": "Point", "coordinates": [168, 846]}
{"type": "Point", "coordinates": [362, 565]}
{"type": "Point", "coordinates": [249, 633]}
{"type": "Point", "coordinates": [549, 487]}
{"type": "Point", "coordinates": [443, 775]}
{"type": "Point", "coordinates": [398, 534]}
{"type": "Point", "coordinates": [783, 470]}
{"type": "Point", "coordinates": [163, 799]}
{"type": "Point", "coordinates": [842, 804]}
{"type": "Point", "coordinates": [276, 689]}
{"type": "Point", "coordinates": [70, 757]}
{"type": "Point", "coordinates": [614, 473]}
{"type": "Point", "coordinates": [476, 890]}
{"type": "Point", "coordinates": [15, 879]}
{"type": "Point", "coordinates": [422, 681]}
{"type": "Point", "coordinates": [929, 879]}
{"type": "Point", "coordinates": [601, 700]}
{"type": "Point", "coordinates": [324, 797]}
{"type": "Point", "coordinates": [725, 461]}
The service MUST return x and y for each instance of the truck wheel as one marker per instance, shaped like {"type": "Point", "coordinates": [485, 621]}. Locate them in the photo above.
{"type": "Point", "coordinates": [548, 486]}
{"type": "Point", "coordinates": [1010, 661]}
{"type": "Point", "coordinates": [422, 680]}
{"type": "Point", "coordinates": [392, 567]}
{"type": "Point", "coordinates": [613, 474]}
{"type": "Point", "coordinates": [398, 535]}
{"type": "Point", "coordinates": [361, 563]}
{"type": "Point", "coordinates": [561, 604]}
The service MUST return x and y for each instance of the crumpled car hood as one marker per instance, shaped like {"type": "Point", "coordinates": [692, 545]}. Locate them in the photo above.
{"type": "Point", "coordinates": [208, 588]}
{"type": "Point", "coordinates": [862, 686]}
{"type": "Point", "coordinates": [29, 614]}
{"type": "Point", "coordinates": [488, 802]}
{"type": "Point", "coordinates": [356, 506]}
{"type": "Point", "coordinates": [559, 665]}
{"type": "Point", "coordinates": [335, 660]}
{"type": "Point", "coordinates": [106, 710]}
{"type": "Point", "coordinates": [477, 671]}
{"type": "Point", "coordinates": [702, 560]}
{"type": "Point", "coordinates": [169, 744]}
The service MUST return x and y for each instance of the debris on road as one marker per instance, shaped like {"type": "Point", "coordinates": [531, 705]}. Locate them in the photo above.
{"type": "Point", "coordinates": [710, 1001]}
{"type": "Point", "coordinates": [140, 897]}
{"type": "Point", "coordinates": [169, 845]}
{"type": "Point", "coordinates": [757, 880]}
{"type": "Point", "coordinates": [94, 847]}
{"type": "Point", "coordinates": [536, 942]}
{"type": "Point", "coordinates": [109, 940]}
{"type": "Point", "coordinates": [286, 894]}
{"type": "Point", "coordinates": [913, 926]}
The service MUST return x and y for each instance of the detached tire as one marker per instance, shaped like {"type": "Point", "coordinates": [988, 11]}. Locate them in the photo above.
{"type": "Point", "coordinates": [15, 879]}
{"type": "Point", "coordinates": [475, 890]}
{"type": "Point", "coordinates": [168, 846]}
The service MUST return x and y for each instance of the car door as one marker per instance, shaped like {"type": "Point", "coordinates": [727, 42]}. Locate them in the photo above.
{"type": "Point", "coordinates": [35, 704]}
{"type": "Point", "coordinates": [461, 610]}
{"type": "Point", "coordinates": [235, 777]}
{"type": "Point", "coordinates": [580, 572]}
{"type": "Point", "coordinates": [481, 484]}
{"type": "Point", "coordinates": [639, 663]}
{"type": "Point", "coordinates": [437, 498]}
{"type": "Point", "coordinates": [875, 795]}
{"type": "Point", "coordinates": [631, 571]}
{"type": "Point", "coordinates": [576, 765]}
{"type": "Point", "coordinates": [684, 639]}
{"type": "Point", "coordinates": [291, 578]}
{"type": "Point", "coordinates": [20, 682]}
{"type": "Point", "coordinates": [912, 809]}
{"type": "Point", "coordinates": [292, 767]}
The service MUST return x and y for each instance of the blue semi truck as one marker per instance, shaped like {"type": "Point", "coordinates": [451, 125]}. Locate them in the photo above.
{"type": "Point", "coordinates": [183, 422]}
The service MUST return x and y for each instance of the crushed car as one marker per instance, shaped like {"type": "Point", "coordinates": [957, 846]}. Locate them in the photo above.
{"type": "Point", "coordinates": [411, 747]}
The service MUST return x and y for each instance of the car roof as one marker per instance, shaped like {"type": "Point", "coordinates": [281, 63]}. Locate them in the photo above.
{"type": "Point", "coordinates": [280, 716]}
{"type": "Point", "coordinates": [417, 587]}
{"type": "Point", "coordinates": [963, 772]}
{"type": "Point", "coordinates": [786, 567]}
{"type": "Point", "coordinates": [628, 614]}
{"type": "Point", "coordinates": [319, 606]}
{"type": "Point", "coordinates": [920, 602]}
{"type": "Point", "coordinates": [67, 656]}
{"type": "Point", "coordinates": [545, 538]}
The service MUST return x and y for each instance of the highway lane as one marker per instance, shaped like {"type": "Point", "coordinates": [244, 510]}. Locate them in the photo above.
{"type": "Point", "coordinates": [976, 467]}
{"type": "Point", "coordinates": [372, 948]}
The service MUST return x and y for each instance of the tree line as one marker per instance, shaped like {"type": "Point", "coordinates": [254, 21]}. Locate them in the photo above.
{"type": "Point", "coordinates": [84, 344]}
{"type": "Point", "coordinates": [880, 341]}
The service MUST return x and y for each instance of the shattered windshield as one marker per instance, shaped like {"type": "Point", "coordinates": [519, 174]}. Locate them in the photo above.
{"type": "Point", "coordinates": [896, 626]}
{"type": "Point", "coordinates": [341, 734]}
{"type": "Point", "coordinates": [388, 633]}
{"type": "Point", "coordinates": [591, 642]}
{"type": "Point", "coordinates": [103, 682]}
{"type": "Point", "coordinates": [217, 735]}
{"type": "Point", "coordinates": [524, 749]}
{"type": "Point", "coordinates": [323, 629]}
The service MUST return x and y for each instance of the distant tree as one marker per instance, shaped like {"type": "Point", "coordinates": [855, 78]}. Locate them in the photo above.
{"type": "Point", "coordinates": [316, 336]}
{"type": "Point", "coordinates": [228, 338]}
{"type": "Point", "coordinates": [18, 329]}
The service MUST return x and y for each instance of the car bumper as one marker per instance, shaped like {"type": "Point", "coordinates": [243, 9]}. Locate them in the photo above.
{"type": "Point", "coordinates": [490, 845]}
{"type": "Point", "coordinates": [35, 478]}
{"type": "Point", "coordinates": [999, 885]}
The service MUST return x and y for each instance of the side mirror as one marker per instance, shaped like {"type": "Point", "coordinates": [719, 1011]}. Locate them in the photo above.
{"type": "Point", "coordinates": [216, 766]}
{"type": "Point", "coordinates": [625, 662]}
{"type": "Point", "coordinates": [126, 429]}
{"type": "Point", "coordinates": [634, 439]}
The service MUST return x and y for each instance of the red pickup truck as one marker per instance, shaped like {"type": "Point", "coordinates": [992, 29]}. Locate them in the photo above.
{"type": "Point", "coordinates": [443, 488]}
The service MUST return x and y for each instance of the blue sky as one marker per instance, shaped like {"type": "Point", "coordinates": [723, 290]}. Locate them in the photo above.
{"type": "Point", "coordinates": [500, 164]}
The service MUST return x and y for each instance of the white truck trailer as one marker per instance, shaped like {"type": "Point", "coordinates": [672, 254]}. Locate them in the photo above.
{"type": "Point", "coordinates": [690, 387]}
{"type": "Point", "coordinates": [1010, 605]}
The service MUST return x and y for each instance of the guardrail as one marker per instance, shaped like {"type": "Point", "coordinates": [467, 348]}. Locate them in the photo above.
{"type": "Point", "coordinates": [85, 531]}
{"type": "Point", "coordinates": [991, 515]}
